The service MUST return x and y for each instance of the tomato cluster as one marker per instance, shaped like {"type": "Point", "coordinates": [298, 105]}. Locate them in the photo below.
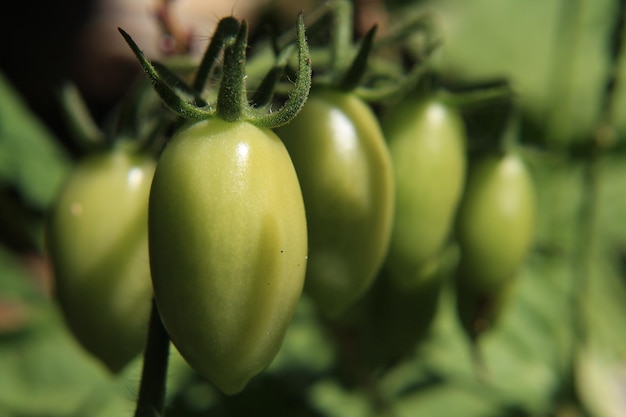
{"type": "Point", "coordinates": [354, 206]}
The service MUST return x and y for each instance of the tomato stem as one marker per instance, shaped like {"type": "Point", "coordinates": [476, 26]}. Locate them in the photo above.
{"type": "Point", "coordinates": [422, 22]}
{"type": "Point", "coordinates": [231, 97]}
{"type": "Point", "coordinates": [341, 37]}
{"type": "Point", "coordinates": [395, 90]}
{"type": "Point", "coordinates": [481, 96]}
{"type": "Point", "coordinates": [134, 112]}
{"type": "Point", "coordinates": [605, 134]}
{"type": "Point", "coordinates": [561, 77]}
{"type": "Point", "coordinates": [151, 399]}
{"type": "Point", "coordinates": [225, 33]}
{"type": "Point", "coordinates": [509, 140]}
{"type": "Point", "coordinates": [266, 51]}
{"type": "Point", "coordinates": [76, 113]}
{"type": "Point", "coordinates": [155, 138]}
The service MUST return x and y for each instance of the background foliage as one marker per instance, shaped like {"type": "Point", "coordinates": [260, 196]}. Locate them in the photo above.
{"type": "Point", "coordinates": [560, 349]}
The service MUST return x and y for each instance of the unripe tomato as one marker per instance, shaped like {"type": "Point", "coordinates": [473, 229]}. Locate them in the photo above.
{"type": "Point", "coordinates": [345, 172]}
{"type": "Point", "coordinates": [98, 244]}
{"type": "Point", "coordinates": [427, 145]}
{"type": "Point", "coordinates": [228, 247]}
{"type": "Point", "coordinates": [496, 220]}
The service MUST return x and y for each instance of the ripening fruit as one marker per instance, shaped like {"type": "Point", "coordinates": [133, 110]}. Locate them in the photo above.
{"type": "Point", "coordinates": [345, 172]}
{"type": "Point", "coordinates": [427, 144]}
{"type": "Point", "coordinates": [97, 239]}
{"type": "Point", "coordinates": [496, 221]}
{"type": "Point", "coordinates": [228, 247]}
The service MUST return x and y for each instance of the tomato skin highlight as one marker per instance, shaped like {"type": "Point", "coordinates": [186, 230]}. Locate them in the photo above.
{"type": "Point", "coordinates": [496, 221]}
{"type": "Point", "coordinates": [97, 241]}
{"type": "Point", "coordinates": [345, 171]}
{"type": "Point", "coordinates": [427, 145]}
{"type": "Point", "coordinates": [228, 247]}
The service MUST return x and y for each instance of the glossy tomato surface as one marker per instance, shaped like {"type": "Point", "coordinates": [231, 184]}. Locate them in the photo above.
{"type": "Point", "coordinates": [344, 169]}
{"type": "Point", "coordinates": [98, 245]}
{"type": "Point", "coordinates": [496, 221]}
{"type": "Point", "coordinates": [427, 144]}
{"type": "Point", "coordinates": [228, 247]}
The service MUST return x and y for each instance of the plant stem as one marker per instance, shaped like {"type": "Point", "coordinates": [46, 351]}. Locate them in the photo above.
{"type": "Point", "coordinates": [151, 400]}
{"type": "Point", "coordinates": [584, 259]}
{"type": "Point", "coordinates": [341, 38]}
{"type": "Point", "coordinates": [602, 140]}
{"type": "Point", "coordinates": [226, 32]}
{"type": "Point", "coordinates": [231, 98]}
{"type": "Point", "coordinates": [80, 122]}
{"type": "Point", "coordinates": [566, 43]}
{"type": "Point", "coordinates": [605, 134]}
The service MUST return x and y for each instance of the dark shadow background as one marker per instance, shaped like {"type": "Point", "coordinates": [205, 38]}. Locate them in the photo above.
{"type": "Point", "coordinates": [39, 40]}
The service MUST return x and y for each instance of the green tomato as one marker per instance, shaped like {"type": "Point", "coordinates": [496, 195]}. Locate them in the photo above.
{"type": "Point", "coordinates": [344, 168]}
{"type": "Point", "coordinates": [427, 145]}
{"type": "Point", "coordinates": [496, 221]}
{"type": "Point", "coordinates": [98, 245]}
{"type": "Point", "coordinates": [228, 247]}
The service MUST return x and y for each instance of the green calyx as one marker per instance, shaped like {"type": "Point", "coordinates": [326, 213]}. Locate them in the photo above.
{"type": "Point", "coordinates": [349, 67]}
{"type": "Point", "coordinates": [346, 67]}
{"type": "Point", "coordinates": [136, 123]}
{"type": "Point", "coordinates": [232, 104]}
{"type": "Point", "coordinates": [231, 99]}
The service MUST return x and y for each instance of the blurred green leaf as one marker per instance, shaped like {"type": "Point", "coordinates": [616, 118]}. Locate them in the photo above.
{"type": "Point", "coordinates": [446, 401]}
{"type": "Point", "coordinates": [31, 162]}
{"type": "Point", "coordinates": [332, 400]}
{"type": "Point", "coordinates": [555, 53]}
{"type": "Point", "coordinates": [566, 317]}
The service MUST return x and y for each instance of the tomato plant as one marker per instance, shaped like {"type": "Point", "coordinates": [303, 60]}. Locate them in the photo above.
{"type": "Point", "coordinates": [98, 244]}
{"type": "Point", "coordinates": [345, 172]}
{"type": "Point", "coordinates": [427, 145]}
{"type": "Point", "coordinates": [473, 312]}
{"type": "Point", "coordinates": [226, 225]}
